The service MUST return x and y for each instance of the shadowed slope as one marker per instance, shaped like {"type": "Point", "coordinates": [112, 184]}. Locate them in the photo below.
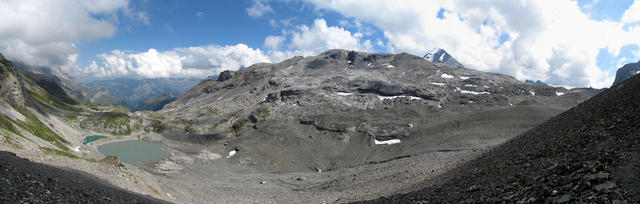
{"type": "Point", "coordinates": [587, 154]}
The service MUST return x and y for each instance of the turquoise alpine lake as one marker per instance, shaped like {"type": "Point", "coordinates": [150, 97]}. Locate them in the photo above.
{"type": "Point", "coordinates": [135, 152]}
{"type": "Point", "coordinates": [93, 138]}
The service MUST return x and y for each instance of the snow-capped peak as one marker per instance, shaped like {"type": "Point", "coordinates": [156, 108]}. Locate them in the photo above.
{"type": "Point", "coordinates": [439, 55]}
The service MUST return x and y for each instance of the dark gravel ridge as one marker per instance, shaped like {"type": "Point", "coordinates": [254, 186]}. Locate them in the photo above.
{"type": "Point", "coordinates": [23, 181]}
{"type": "Point", "coordinates": [589, 154]}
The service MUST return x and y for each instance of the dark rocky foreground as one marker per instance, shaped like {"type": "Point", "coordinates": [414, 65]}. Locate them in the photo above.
{"type": "Point", "coordinates": [23, 181]}
{"type": "Point", "coordinates": [589, 154]}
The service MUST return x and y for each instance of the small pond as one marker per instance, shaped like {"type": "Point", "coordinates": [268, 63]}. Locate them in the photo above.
{"type": "Point", "coordinates": [135, 152]}
{"type": "Point", "coordinates": [93, 138]}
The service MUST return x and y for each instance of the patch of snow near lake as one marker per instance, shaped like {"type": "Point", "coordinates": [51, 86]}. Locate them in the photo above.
{"type": "Point", "coordinates": [470, 85]}
{"type": "Point", "coordinates": [344, 93]}
{"type": "Point", "coordinates": [559, 93]}
{"type": "Point", "coordinates": [387, 142]}
{"type": "Point", "coordinates": [446, 76]}
{"type": "Point", "coordinates": [76, 149]}
{"type": "Point", "coordinates": [532, 93]}
{"type": "Point", "coordinates": [369, 65]}
{"type": "Point", "coordinates": [231, 153]}
{"type": "Point", "coordinates": [349, 62]}
{"type": "Point", "coordinates": [464, 78]}
{"type": "Point", "coordinates": [438, 84]}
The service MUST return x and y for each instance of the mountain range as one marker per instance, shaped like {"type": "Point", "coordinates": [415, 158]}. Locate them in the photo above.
{"type": "Point", "coordinates": [135, 94]}
{"type": "Point", "coordinates": [341, 126]}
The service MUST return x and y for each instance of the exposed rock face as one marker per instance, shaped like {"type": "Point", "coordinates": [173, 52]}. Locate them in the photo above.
{"type": "Point", "coordinates": [333, 110]}
{"type": "Point", "coordinates": [626, 71]}
{"type": "Point", "coordinates": [439, 55]}
{"type": "Point", "coordinates": [11, 84]}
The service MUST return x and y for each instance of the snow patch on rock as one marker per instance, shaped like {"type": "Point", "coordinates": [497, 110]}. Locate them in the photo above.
{"type": "Point", "coordinates": [231, 153]}
{"type": "Point", "coordinates": [559, 93]}
{"type": "Point", "coordinates": [446, 76]}
{"type": "Point", "coordinates": [344, 93]}
{"type": "Point", "coordinates": [438, 84]}
{"type": "Point", "coordinates": [394, 97]}
{"type": "Point", "coordinates": [386, 142]}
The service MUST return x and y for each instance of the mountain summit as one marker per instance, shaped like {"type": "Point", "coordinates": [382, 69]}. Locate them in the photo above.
{"type": "Point", "coordinates": [439, 55]}
{"type": "Point", "coordinates": [626, 71]}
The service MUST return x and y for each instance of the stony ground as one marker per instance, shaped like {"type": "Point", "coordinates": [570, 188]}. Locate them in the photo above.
{"type": "Point", "coordinates": [588, 154]}
{"type": "Point", "coordinates": [22, 181]}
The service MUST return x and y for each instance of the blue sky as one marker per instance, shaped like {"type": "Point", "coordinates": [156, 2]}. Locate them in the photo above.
{"type": "Point", "coordinates": [569, 43]}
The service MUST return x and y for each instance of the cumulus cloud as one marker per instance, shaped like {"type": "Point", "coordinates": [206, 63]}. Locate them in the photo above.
{"type": "Point", "coordinates": [312, 40]}
{"type": "Point", "coordinates": [198, 62]}
{"type": "Point", "coordinates": [632, 14]}
{"type": "Point", "coordinates": [552, 41]}
{"type": "Point", "coordinates": [42, 32]}
{"type": "Point", "coordinates": [258, 8]}
{"type": "Point", "coordinates": [273, 42]}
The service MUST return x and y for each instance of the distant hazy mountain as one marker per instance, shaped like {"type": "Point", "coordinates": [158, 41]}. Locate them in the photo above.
{"type": "Point", "coordinates": [439, 55]}
{"type": "Point", "coordinates": [627, 71]}
{"type": "Point", "coordinates": [156, 103]}
{"type": "Point", "coordinates": [134, 91]}
{"type": "Point", "coordinates": [75, 89]}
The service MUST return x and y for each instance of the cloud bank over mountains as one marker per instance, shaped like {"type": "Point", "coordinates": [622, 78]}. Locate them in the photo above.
{"type": "Point", "coordinates": [554, 41]}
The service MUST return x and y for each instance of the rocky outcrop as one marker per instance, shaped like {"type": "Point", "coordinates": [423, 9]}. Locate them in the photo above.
{"type": "Point", "coordinates": [626, 71]}
{"type": "Point", "coordinates": [11, 85]}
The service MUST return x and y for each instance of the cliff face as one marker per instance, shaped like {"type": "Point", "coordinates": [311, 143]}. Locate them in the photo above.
{"type": "Point", "coordinates": [11, 84]}
{"type": "Point", "coordinates": [626, 71]}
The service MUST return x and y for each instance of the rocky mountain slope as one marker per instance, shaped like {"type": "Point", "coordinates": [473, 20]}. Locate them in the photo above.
{"type": "Point", "coordinates": [23, 181]}
{"type": "Point", "coordinates": [45, 125]}
{"type": "Point", "coordinates": [439, 55]}
{"type": "Point", "coordinates": [74, 89]}
{"type": "Point", "coordinates": [626, 71]}
{"type": "Point", "coordinates": [132, 92]}
{"type": "Point", "coordinates": [588, 154]}
{"type": "Point", "coordinates": [343, 109]}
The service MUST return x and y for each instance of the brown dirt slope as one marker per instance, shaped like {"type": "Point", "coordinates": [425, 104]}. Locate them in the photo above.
{"type": "Point", "coordinates": [590, 153]}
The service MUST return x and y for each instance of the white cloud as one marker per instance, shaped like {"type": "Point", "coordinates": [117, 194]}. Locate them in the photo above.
{"type": "Point", "coordinates": [551, 40]}
{"type": "Point", "coordinates": [42, 32]}
{"type": "Point", "coordinates": [307, 41]}
{"type": "Point", "coordinates": [199, 14]}
{"type": "Point", "coordinates": [632, 14]}
{"type": "Point", "coordinates": [196, 62]}
{"type": "Point", "coordinates": [273, 42]}
{"type": "Point", "coordinates": [258, 8]}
